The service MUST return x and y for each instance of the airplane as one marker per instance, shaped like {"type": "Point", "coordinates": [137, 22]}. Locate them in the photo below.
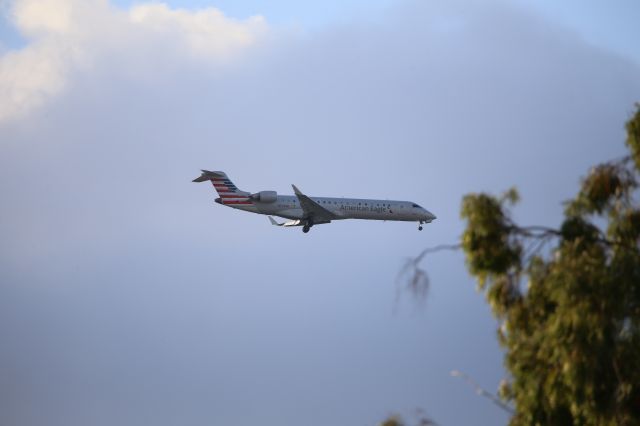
{"type": "Point", "coordinates": [306, 211]}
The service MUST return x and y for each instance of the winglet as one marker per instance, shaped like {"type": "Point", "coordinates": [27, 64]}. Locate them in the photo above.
{"type": "Point", "coordinates": [296, 190]}
{"type": "Point", "coordinates": [273, 222]}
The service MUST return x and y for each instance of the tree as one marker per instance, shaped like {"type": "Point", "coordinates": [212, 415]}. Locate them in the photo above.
{"type": "Point", "coordinates": [567, 299]}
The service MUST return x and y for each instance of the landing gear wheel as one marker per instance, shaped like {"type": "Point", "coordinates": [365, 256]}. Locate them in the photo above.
{"type": "Point", "coordinates": [420, 228]}
{"type": "Point", "coordinates": [306, 228]}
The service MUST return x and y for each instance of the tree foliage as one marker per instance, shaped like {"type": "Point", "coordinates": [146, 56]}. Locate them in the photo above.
{"type": "Point", "coordinates": [568, 299]}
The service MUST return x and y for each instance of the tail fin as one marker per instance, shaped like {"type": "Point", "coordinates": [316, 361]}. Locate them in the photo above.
{"type": "Point", "coordinates": [229, 193]}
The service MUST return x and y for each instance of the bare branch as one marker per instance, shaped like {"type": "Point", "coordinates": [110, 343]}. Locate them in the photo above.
{"type": "Point", "coordinates": [483, 392]}
{"type": "Point", "coordinates": [536, 231]}
{"type": "Point", "coordinates": [415, 279]}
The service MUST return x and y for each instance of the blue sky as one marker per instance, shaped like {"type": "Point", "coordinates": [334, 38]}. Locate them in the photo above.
{"type": "Point", "coordinates": [127, 296]}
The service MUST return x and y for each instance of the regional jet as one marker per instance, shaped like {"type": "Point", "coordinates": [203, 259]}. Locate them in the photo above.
{"type": "Point", "coordinates": [305, 211]}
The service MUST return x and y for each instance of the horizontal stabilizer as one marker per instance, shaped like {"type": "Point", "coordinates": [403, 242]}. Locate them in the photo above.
{"type": "Point", "coordinates": [207, 175]}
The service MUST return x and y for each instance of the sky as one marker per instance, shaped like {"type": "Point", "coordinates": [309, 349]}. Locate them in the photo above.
{"type": "Point", "coordinates": [127, 296]}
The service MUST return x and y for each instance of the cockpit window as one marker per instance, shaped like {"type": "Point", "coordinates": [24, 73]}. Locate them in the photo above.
{"type": "Point", "coordinates": [415, 205]}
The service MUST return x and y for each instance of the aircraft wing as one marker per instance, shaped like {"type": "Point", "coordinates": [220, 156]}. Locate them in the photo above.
{"type": "Point", "coordinates": [313, 210]}
{"type": "Point", "coordinates": [289, 223]}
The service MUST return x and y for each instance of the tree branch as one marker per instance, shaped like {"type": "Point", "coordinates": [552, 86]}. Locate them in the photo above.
{"type": "Point", "coordinates": [417, 278]}
{"type": "Point", "coordinates": [483, 392]}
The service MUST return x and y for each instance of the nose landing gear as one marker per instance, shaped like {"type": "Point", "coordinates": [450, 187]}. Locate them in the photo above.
{"type": "Point", "coordinates": [420, 226]}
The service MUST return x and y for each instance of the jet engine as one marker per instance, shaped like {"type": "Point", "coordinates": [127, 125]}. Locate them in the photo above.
{"type": "Point", "coordinates": [265, 196]}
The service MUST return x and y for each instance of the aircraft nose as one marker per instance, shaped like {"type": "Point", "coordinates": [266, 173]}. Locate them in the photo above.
{"type": "Point", "coordinates": [429, 216]}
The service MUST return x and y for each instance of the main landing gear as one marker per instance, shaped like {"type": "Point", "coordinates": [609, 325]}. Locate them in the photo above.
{"type": "Point", "coordinates": [420, 226]}
{"type": "Point", "coordinates": [307, 226]}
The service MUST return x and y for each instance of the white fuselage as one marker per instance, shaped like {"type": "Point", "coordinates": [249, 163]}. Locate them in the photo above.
{"type": "Point", "coordinates": [288, 206]}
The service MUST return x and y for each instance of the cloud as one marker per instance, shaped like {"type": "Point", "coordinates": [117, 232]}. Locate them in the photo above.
{"type": "Point", "coordinates": [65, 36]}
{"type": "Point", "coordinates": [206, 32]}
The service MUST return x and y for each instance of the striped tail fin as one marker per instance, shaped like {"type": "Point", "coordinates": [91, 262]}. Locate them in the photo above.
{"type": "Point", "coordinates": [229, 193]}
